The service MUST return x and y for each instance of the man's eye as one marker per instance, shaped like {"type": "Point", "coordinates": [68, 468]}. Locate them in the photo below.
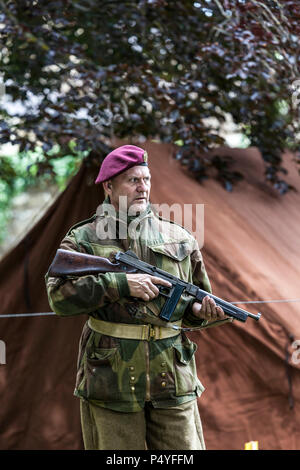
{"type": "Point", "coordinates": [136, 180]}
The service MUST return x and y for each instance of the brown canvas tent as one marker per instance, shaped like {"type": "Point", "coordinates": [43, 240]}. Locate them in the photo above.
{"type": "Point", "coordinates": [250, 371]}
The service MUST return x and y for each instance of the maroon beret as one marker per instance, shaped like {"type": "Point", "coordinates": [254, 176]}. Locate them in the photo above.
{"type": "Point", "coordinates": [120, 160]}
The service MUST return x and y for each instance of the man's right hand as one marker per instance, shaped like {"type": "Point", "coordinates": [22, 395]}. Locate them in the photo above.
{"type": "Point", "coordinates": [143, 286]}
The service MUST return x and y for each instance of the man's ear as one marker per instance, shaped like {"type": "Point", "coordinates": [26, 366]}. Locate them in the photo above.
{"type": "Point", "coordinates": [107, 186]}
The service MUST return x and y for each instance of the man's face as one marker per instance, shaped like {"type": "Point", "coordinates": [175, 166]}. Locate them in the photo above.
{"type": "Point", "coordinates": [135, 184]}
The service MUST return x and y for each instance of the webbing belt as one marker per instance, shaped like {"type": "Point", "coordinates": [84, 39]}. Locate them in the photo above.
{"type": "Point", "coordinates": [142, 332]}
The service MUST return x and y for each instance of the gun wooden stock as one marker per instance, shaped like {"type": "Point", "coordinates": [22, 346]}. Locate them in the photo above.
{"type": "Point", "coordinates": [73, 263]}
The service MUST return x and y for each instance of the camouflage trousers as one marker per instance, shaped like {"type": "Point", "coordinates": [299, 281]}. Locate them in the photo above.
{"type": "Point", "coordinates": [177, 428]}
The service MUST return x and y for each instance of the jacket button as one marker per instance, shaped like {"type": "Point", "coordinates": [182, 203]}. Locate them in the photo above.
{"type": "Point", "coordinates": [132, 379]}
{"type": "Point", "coordinates": [163, 364]}
{"type": "Point", "coordinates": [163, 384]}
{"type": "Point", "coordinates": [131, 368]}
{"type": "Point", "coordinates": [132, 388]}
{"type": "Point", "coordinates": [163, 374]}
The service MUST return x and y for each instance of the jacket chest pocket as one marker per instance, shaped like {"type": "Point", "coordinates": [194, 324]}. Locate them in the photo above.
{"type": "Point", "coordinates": [106, 251]}
{"type": "Point", "coordinates": [173, 257]}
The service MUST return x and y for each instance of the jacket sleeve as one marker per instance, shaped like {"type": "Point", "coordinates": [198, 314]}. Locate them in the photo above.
{"type": "Point", "coordinates": [82, 295]}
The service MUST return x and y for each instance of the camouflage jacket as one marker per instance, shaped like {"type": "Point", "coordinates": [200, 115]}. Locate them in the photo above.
{"type": "Point", "coordinates": [121, 374]}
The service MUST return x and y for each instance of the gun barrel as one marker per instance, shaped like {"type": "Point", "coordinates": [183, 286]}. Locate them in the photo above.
{"type": "Point", "coordinates": [236, 312]}
{"type": "Point", "coordinates": [230, 309]}
{"type": "Point", "coordinates": [255, 317]}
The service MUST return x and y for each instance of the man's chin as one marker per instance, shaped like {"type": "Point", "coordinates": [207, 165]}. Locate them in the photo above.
{"type": "Point", "coordinates": [137, 206]}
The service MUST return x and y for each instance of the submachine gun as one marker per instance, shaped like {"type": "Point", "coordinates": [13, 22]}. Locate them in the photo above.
{"type": "Point", "coordinates": [72, 263]}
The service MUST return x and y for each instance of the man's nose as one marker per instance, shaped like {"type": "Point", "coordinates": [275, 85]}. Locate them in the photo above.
{"type": "Point", "coordinates": [142, 187]}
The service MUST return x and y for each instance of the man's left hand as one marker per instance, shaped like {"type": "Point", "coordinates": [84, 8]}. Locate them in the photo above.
{"type": "Point", "coordinates": [208, 310]}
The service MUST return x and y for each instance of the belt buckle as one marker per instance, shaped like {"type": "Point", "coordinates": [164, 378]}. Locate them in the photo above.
{"type": "Point", "coordinates": [150, 333]}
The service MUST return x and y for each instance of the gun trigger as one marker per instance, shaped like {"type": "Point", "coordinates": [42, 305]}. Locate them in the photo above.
{"type": "Point", "coordinates": [162, 291]}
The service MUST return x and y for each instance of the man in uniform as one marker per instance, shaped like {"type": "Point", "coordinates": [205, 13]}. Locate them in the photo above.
{"type": "Point", "coordinates": [136, 378]}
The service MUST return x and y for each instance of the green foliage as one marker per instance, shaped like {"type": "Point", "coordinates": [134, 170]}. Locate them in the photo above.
{"type": "Point", "coordinates": [153, 68]}
{"type": "Point", "coordinates": [21, 171]}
